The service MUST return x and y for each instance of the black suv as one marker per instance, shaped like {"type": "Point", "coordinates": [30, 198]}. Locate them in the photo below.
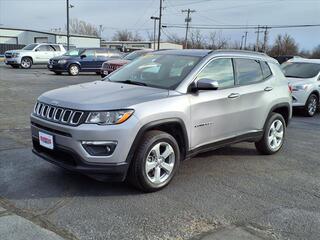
{"type": "Point", "coordinates": [82, 60]}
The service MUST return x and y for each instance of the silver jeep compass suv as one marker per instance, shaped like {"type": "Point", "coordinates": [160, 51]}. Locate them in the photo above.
{"type": "Point", "coordinates": [142, 120]}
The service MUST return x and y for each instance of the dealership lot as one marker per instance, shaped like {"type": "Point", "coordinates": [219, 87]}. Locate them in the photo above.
{"type": "Point", "coordinates": [229, 190]}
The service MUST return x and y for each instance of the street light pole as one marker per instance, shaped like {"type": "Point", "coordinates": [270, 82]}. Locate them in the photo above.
{"type": "Point", "coordinates": [154, 30]}
{"type": "Point", "coordinates": [68, 34]}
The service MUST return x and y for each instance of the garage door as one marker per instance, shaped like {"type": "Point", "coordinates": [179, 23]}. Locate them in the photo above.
{"type": "Point", "coordinates": [40, 39]}
{"type": "Point", "coordinates": [8, 40]}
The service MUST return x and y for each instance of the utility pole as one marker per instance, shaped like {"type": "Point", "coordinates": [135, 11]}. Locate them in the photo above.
{"type": "Point", "coordinates": [187, 20]}
{"type": "Point", "coordinates": [160, 16]}
{"type": "Point", "coordinates": [258, 38]}
{"type": "Point", "coordinates": [245, 39]}
{"type": "Point", "coordinates": [154, 30]}
{"type": "Point", "coordinates": [265, 39]}
{"type": "Point", "coordinates": [241, 45]}
{"type": "Point", "coordinates": [68, 34]}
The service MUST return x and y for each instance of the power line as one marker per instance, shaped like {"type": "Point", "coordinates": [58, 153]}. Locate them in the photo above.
{"type": "Point", "coordinates": [238, 27]}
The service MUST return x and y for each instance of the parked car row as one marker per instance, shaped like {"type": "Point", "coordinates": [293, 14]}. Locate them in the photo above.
{"type": "Point", "coordinates": [302, 74]}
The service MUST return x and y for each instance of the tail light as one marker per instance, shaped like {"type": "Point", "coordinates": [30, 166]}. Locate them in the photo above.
{"type": "Point", "coordinates": [290, 88]}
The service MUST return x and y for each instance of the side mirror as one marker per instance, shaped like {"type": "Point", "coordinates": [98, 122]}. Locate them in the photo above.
{"type": "Point", "coordinates": [206, 84]}
{"type": "Point", "coordinates": [83, 56]}
{"type": "Point", "coordinates": [37, 50]}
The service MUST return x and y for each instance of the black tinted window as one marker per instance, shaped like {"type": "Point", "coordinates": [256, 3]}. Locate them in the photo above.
{"type": "Point", "coordinates": [220, 70]}
{"type": "Point", "coordinates": [248, 71]}
{"type": "Point", "coordinates": [300, 70]}
{"type": "Point", "coordinates": [265, 70]}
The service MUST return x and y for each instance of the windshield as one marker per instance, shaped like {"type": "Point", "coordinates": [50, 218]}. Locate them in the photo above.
{"type": "Point", "coordinates": [30, 47]}
{"type": "Point", "coordinates": [134, 55]}
{"type": "Point", "coordinates": [156, 70]}
{"type": "Point", "coordinates": [300, 70]}
{"type": "Point", "coordinates": [74, 52]}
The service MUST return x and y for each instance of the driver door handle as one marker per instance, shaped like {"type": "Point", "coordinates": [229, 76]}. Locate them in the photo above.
{"type": "Point", "coordinates": [268, 89]}
{"type": "Point", "coordinates": [234, 95]}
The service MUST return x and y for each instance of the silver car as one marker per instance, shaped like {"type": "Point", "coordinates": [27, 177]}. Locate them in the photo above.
{"type": "Point", "coordinates": [142, 120]}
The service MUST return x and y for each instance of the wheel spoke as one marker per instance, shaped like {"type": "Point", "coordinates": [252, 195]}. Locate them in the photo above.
{"type": "Point", "coordinates": [167, 167]}
{"type": "Point", "coordinates": [156, 150]}
{"type": "Point", "coordinates": [167, 152]}
{"type": "Point", "coordinates": [157, 175]}
{"type": "Point", "coordinates": [150, 166]}
{"type": "Point", "coordinates": [279, 134]}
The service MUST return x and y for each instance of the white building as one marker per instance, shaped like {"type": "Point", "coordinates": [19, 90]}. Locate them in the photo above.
{"type": "Point", "coordinates": [24, 37]}
{"type": "Point", "coordinates": [132, 45]}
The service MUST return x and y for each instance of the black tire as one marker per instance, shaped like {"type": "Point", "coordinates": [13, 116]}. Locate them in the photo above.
{"type": "Point", "coordinates": [15, 66]}
{"type": "Point", "coordinates": [137, 175]}
{"type": "Point", "coordinates": [58, 73]}
{"type": "Point", "coordinates": [73, 70]}
{"type": "Point", "coordinates": [263, 146]}
{"type": "Point", "coordinates": [309, 109]}
{"type": "Point", "coordinates": [26, 62]}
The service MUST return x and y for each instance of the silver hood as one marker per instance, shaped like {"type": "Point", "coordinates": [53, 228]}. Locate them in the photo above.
{"type": "Point", "coordinates": [101, 95]}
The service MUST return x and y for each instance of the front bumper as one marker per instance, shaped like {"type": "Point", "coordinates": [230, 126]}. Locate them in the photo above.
{"type": "Point", "coordinates": [69, 153]}
{"type": "Point", "coordinates": [57, 67]}
{"type": "Point", "coordinates": [12, 61]}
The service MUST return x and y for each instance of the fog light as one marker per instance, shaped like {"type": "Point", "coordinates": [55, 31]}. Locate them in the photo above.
{"type": "Point", "coordinates": [99, 148]}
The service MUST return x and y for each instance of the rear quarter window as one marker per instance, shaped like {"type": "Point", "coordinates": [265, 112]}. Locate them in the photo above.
{"type": "Point", "coordinates": [248, 71]}
{"type": "Point", "coordinates": [56, 47]}
{"type": "Point", "coordinates": [265, 70]}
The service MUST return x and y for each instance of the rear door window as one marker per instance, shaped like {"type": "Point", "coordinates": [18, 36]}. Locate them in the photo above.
{"type": "Point", "coordinates": [89, 53]}
{"type": "Point", "coordinates": [248, 71]}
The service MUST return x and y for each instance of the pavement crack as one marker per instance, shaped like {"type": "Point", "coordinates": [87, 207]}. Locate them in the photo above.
{"type": "Point", "coordinates": [39, 220]}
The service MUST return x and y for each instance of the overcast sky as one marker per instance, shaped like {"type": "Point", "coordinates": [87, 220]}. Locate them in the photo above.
{"type": "Point", "coordinates": [135, 15]}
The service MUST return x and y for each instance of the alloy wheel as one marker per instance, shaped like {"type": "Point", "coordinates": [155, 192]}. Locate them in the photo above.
{"type": "Point", "coordinates": [160, 163]}
{"type": "Point", "coordinates": [312, 106]}
{"type": "Point", "coordinates": [25, 63]}
{"type": "Point", "coordinates": [74, 70]}
{"type": "Point", "coordinates": [276, 134]}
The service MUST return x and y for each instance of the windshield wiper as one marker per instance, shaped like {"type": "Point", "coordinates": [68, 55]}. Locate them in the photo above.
{"type": "Point", "coordinates": [132, 82]}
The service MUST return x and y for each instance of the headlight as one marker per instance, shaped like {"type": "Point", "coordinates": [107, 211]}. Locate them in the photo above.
{"type": "Point", "coordinates": [109, 117]}
{"type": "Point", "coordinates": [301, 87]}
{"type": "Point", "coordinates": [15, 55]}
{"type": "Point", "coordinates": [62, 61]}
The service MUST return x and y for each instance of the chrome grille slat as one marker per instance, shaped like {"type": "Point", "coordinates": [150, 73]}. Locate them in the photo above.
{"type": "Point", "coordinates": [57, 114]}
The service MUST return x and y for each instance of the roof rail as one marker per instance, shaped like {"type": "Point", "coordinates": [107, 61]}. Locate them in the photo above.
{"type": "Point", "coordinates": [240, 51]}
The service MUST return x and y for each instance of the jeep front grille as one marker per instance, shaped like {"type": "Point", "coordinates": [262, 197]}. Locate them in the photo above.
{"type": "Point", "coordinates": [58, 114]}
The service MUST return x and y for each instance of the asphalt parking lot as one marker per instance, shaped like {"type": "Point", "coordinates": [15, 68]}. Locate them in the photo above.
{"type": "Point", "coordinates": [229, 190]}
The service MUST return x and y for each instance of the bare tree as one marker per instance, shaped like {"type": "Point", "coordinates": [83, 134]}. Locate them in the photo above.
{"type": "Point", "coordinates": [216, 41]}
{"type": "Point", "coordinates": [125, 35]}
{"type": "Point", "coordinates": [197, 40]}
{"type": "Point", "coordinates": [316, 52]}
{"type": "Point", "coordinates": [81, 27]}
{"type": "Point", "coordinates": [284, 45]}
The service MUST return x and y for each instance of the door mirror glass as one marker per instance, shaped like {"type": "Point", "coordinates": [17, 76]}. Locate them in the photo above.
{"type": "Point", "coordinates": [207, 84]}
{"type": "Point", "coordinates": [83, 56]}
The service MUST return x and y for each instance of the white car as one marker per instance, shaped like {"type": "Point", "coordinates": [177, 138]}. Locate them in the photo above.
{"type": "Point", "coordinates": [304, 77]}
{"type": "Point", "coordinates": [36, 53]}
